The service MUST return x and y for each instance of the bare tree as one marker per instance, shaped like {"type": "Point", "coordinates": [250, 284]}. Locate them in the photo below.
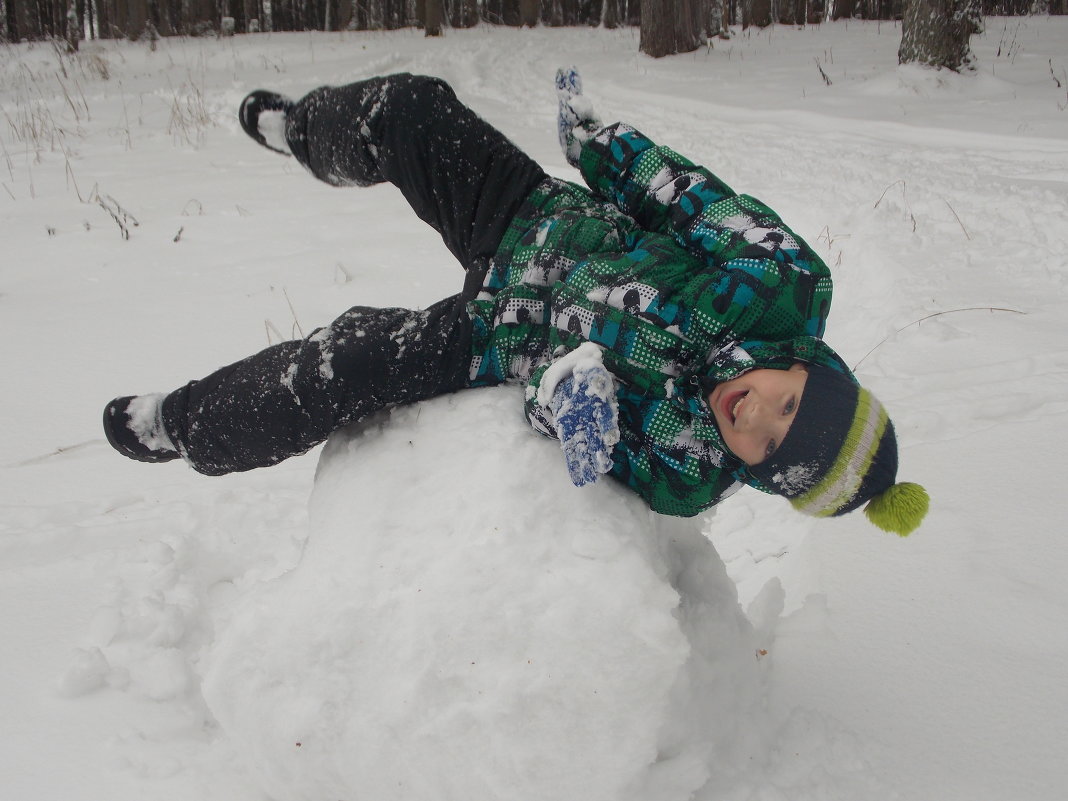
{"type": "Point", "coordinates": [672, 26]}
{"type": "Point", "coordinates": [756, 12]}
{"type": "Point", "coordinates": [11, 26]}
{"type": "Point", "coordinates": [460, 13]}
{"type": "Point", "coordinates": [73, 32]}
{"type": "Point", "coordinates": [430, 12]}
{"type": "Point", "coordinates": [938, 33]}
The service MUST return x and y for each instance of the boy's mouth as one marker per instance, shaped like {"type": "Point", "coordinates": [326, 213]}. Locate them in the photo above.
{"type": "Point", "coordinates": [731, 403]}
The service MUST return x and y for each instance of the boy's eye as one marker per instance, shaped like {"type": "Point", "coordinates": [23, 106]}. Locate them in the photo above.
{"type": "Point", "coordinates": [790, 406]}
{"type": "Point", "coordinates": [768, 451]}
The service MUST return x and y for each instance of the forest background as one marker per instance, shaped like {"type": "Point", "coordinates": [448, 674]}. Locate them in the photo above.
{"type": "Point", "coordinates": [667, 26]}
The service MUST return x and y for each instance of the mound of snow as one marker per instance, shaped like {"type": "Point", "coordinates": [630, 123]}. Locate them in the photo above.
{"type": "Point", "coordinates": [466, 624]}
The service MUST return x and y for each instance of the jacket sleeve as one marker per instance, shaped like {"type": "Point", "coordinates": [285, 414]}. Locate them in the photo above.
{"type": "Point", "coordinates": [667, 193]}
{"type": "Point", "coordinates": [768, 281]}
{"type": "Point", "coordinates": [645, 180]}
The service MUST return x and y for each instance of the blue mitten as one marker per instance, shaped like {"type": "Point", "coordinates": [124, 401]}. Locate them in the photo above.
{"type": "Point", "coordinates": [586, 414]}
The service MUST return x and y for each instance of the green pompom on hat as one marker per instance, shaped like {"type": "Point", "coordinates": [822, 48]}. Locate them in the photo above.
{"type": "Point", "coordinates": [840, 453]}
{"type": "Point", "coordinates": [900, 509]}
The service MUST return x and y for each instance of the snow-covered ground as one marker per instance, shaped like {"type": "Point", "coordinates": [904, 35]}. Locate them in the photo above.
{"type": "Point", "coordinates": [170, 636]}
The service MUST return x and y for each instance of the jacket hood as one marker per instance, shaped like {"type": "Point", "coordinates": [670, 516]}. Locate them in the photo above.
{"type": "Point", "coordinates": [739, 357]}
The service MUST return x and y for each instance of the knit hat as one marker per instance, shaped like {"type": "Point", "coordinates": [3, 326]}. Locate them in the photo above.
{"type": "Point", "coordinates": [840, 453]}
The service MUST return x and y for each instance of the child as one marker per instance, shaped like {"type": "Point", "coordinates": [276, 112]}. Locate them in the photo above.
{"type": "Point", "coordinates": [667, 329]}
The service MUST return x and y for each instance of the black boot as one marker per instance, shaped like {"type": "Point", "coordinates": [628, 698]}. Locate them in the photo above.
{"type": "Point", "coordinates": [263, 116]}
{"type": "Point", "coordinates": [134, 427]}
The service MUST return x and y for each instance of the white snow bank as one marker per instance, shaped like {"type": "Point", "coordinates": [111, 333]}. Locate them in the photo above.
{"type": "Point", "coordinates": [503, 635]}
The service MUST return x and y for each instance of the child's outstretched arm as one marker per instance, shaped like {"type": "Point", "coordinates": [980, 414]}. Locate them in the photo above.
{"type": "Point", "coordinates": [757, 263]}
{"type": "Point", "coordinates": [621, 164]}
{"type": "Point", "coordinates": [651, 183]}
{"type": "Point", "coordinates": [665, 192]}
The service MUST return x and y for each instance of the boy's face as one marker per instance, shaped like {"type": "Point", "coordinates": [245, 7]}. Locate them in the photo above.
{"type": "Point", "coordinates": [754, 411]}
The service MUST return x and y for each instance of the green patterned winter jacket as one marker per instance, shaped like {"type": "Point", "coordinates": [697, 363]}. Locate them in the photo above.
{"type": "Point", "coordinates": [683, 283]}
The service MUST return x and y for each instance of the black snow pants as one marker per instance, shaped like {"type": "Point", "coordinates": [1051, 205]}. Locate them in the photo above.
{"type": "Point", "coordinates": [462, 177]}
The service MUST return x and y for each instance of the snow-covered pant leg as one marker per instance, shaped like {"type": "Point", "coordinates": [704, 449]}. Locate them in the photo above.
{"type": "Point", "coordinates": [460, 174]}
{"type": "Point", "coordinates": [289, 397]}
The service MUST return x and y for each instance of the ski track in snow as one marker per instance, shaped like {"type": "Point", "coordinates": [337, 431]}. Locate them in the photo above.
{"type": "Point", "coordinates": [930, 668]}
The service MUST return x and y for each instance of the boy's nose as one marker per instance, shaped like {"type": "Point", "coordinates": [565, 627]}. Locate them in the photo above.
{"type": "Point", "coordinates": [755, 410]}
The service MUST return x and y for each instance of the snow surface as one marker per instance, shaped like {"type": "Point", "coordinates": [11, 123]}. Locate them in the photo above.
{"type": "Point", "coordinates": [171, 636]}
{"type": "Point", "coordinates": [520, 647]}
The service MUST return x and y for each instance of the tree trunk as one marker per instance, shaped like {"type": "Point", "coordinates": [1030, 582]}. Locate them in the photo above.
{"type": "Point", "coordinates": [27, 24]}
{"type": "Point", "coordinates": [842, 9]}
{"type": "Point", "coordinates": [610, 14]}
{"type": "Point", "coordinates": [690, 31]}
{"type": "Point", "coordinates": [73, 32]}
{"type": "Point", "coordinates": [756, 12]}
{"type": "Point", "coordinates": [79, 9]}
{"type": "Point", "coordinates": [672, 26]}
{"type": "Point", "coordinates": [658, 28]}
{"type": "Point", "coordinates": [528, 13]}
{"type": "Point", "coordinates": [11, 20]}
{"type": "Point", "coordinates": [938, 33]}
{"type": "Point", "coordinates": [462, 13]}
{"type": "Point", "coordinates": [103, 22]}
{"type": "Point", "coordinates": [136, 18]}
{"type": "Point", "coordinates": [510, 14]}
{"type": "Point", "coordinates": [432, 16]}
{"type": "Point", "coordinates": [719, 18]}
{"type": "Point", "coordinates": [120, 19]}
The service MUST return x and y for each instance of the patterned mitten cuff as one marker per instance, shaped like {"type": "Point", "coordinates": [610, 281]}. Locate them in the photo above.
{"type": "Point", "coordinates": [576, 121]}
